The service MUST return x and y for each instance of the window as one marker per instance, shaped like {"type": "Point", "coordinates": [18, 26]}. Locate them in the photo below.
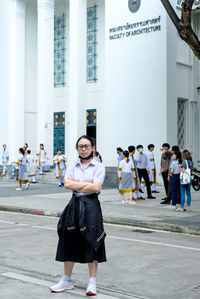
{"type": "Point", "coordinates": [181, 122]}
{"type": "Point", "coordinates": [59, 50]}
{"type": "Point", "coordinates": [91, 44]}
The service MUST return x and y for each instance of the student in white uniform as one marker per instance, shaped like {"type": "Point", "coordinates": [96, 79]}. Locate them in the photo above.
{"type": "Point", "coordinates": [131, 150]}
{"type": "Point", "coordinates": [126, 176]}
{"type": "Point", "coordinates": [60, 160]}
{"type": "Point", "coordinates": [31, 168]}
{"type": "Point", "coordinates": [22, 170]}
{"type": "Point", "coordinates": [42, 159]}
{"type": "Point", "coordinates": [152, 168]}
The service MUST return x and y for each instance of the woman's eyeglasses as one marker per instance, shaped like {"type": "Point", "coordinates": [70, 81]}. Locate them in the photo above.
{"type": "Point", "coordinates": [86, 147]}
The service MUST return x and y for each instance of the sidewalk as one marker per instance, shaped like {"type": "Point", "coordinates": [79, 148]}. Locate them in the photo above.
{"type": "Point", "coordinates": [148, 213]}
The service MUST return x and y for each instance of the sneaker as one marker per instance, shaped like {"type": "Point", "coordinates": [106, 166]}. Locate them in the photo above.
{"type": "Point", "coordinates": [180, 209]}
{"type": "Point", "coordinates": [123, 201]}
{"type": "Point", "coordinates": [62, 285]}
{"type": "Point", "coordinates": [19, 189]}
{"type": "Point", "coordinates": [172, 207]}
{"type": "Point", "coordinates": [27, 185]}
{"type": "Point", "coordinates": [91, 289]}
{"type": "Point", "coordinates": [187, 209]}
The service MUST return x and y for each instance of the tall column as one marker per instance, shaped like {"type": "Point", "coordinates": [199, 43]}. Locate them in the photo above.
{"type": "Point", "coordinates": [17, 71]}
{"type": "Point", "coordinates": [76, 126]}
{"type": "Point", "coordinates": [45, 73]}
{"type": "Point", "coordinates": [5, 87]}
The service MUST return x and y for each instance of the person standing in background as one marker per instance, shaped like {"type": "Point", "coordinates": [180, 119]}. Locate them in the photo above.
{"type": "Point", "coordinates": [131, 150]}
{"type": "Point", "coordinates": [30, 160]}
{"type": "Point", "coordinates": [164, 168]}
{"type": "Point", "coordinates": [22, 171]}
{"type": "Point", "coordinates": [60, 160]}
{"type": "Point", "coordinates": [120, 155]}
{"type": "Point", "coordinates": [142, 165]}
{"type": "Point", "coordinates": [126, 176]}
{"type": "Point", "coordinates": [42, 159]}
{"type": "Point", "coordinates": [152, 168]}
{"type": "Point", "coordinates": [5, 159]}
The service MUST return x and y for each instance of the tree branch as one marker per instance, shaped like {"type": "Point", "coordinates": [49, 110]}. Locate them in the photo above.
{"type": "Point", "coordinates": [183, 25]}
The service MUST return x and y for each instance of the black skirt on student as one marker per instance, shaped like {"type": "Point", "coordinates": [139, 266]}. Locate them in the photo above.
{"type": "Point", "coordinates": [73, 247]}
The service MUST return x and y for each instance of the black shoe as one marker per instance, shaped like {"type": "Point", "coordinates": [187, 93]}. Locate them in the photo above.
{"type": "Point", "coordinates": [59, 185]}
{"type": "Point", "coordinates": [62, 184]}
{"type": "Point", "coordinates": [141, 191]}
{"type": "Point", "coordinates": [165, 202]}
{"type": "Point", "coordinates": [165, 198]}
{"type": "Point", "coordinates": [151, 197]}
{"type": "Point", "coordinates": [155, 191]}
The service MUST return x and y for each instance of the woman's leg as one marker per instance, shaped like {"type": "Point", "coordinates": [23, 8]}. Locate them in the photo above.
{"type": "Point", "coordinates": [93, 268]}
{"type": "Point", "coordinates": [188, 192]}
{"type": "Point", "coordinates": [130, 196]}
{"type": "Point", "coordinates": [68, 267]}
{"type": "Point", "coordinates": [122, 197]}
{"type": "Point", "coordinates": [182, 196]}
{"type": "Point", "coordinates": [173, 188]}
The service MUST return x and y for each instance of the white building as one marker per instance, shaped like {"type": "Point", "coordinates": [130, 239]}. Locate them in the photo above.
{"type": "Point", "coordinates": [132, 74]}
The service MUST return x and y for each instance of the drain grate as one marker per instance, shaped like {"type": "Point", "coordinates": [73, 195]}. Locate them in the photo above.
{"type": "Point", "coordinates": [143, 231]}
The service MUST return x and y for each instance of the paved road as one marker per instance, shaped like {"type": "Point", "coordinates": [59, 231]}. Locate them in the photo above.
{"type": "Point", "coordinates": [141, 263]}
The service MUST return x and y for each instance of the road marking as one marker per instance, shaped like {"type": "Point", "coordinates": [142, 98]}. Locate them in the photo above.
{"type": "Point", "coordinates": [44, 227]}
{"type": "Point", "coordinates": [113, 237]}
{"type": "Point", "coordinates": [46, 283]}
{"type": "Point", "coordinates": [154, 243]}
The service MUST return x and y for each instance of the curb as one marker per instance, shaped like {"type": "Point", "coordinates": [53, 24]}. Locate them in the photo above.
{"type": "Point", "coordinates": [112, 220]}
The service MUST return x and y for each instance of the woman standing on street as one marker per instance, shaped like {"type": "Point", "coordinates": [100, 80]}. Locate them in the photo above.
{"type": "Point", "coordinates": [80, 227]}
{"type": "Point", "coordinates": [22, 170]}
{"type": "Point", "coordinates": [126, 178]}
{"type": "Point", "coordinates": [187, 163]}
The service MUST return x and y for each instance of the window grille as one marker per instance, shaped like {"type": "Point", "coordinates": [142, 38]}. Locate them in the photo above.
{"type": "Point", "coordinates": [91, 44]}
{"type": "Point", "coordinates": [59, 50]}
{"type": "Point", "coordinates": [181, 121]}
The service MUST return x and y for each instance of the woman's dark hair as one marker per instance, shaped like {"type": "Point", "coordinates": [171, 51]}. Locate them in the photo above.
{"type": "Point", "coordinates": [150, 145]}
{"type": "Point", "coordinates": [59, 149]}
{"type": "Point", "coordinates": [99, 156]}
{"type": "Point", "coordinates": [126, 155]}
{"type": "Point", "coordinates": [85, 137]}
{"type": "Point", "coordinates": [175, 148]}
{"type": "Point", "coordinates": [186, 155]}
{"type": "Point", "coordinates": [21, 150]}
{"type": "Point", "coordinates": [120, 149]}
{"type": "Point", "coordinates": [28, 151]}
{"type": "Point", "coordinates": [178, 156]}
{"type": "Point", "coordinates": [131, 148]}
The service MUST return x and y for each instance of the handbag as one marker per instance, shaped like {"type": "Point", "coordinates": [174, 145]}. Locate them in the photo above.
{"type": "Point", "coordinates": [185, 177]}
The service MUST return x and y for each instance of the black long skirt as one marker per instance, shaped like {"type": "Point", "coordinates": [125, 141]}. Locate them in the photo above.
{"type": "Point", "coordinates": [73, 247]}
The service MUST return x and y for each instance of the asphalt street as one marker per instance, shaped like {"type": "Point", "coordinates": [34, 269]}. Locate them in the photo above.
{"type": "Point", "coordinates": [141, 263]}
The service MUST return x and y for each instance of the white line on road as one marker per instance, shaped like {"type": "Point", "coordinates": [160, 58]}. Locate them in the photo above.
{"type": "Point", "coordinates": [115, 237]}
{"type": "Point", "coordinates": [154, 243]}
{"type": "Point", "coordinates": [46, 283]}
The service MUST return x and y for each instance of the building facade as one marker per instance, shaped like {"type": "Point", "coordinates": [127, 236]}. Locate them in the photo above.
{"type": "Point", "coordinates": [115, 69]}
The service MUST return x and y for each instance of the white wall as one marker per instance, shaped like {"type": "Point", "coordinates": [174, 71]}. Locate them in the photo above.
{"type": "Point", "coordinates": [135, 80]}
{"type": "Point", "coordinates": [95, 91]}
